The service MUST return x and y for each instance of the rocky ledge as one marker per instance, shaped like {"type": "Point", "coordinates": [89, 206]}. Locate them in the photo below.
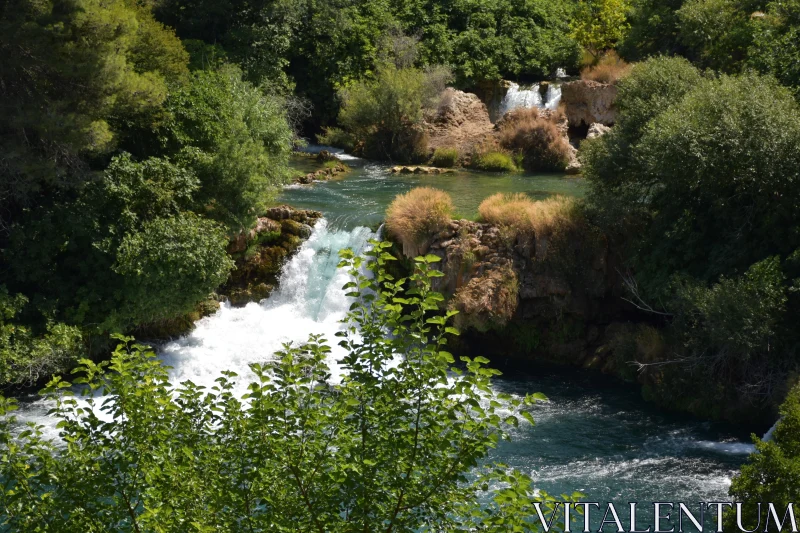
{"type": "Point", "coordinates": [261, 252]}
{"type": "Point", "coordinates": [420, 170]}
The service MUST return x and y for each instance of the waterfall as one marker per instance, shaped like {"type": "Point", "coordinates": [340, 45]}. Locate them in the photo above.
{"type": "Point", "coordinates": [518, 97]}
{"type": "Point", "coordinates": [553, 96]}
{"type": "Point", "coordinates": [309, 300]}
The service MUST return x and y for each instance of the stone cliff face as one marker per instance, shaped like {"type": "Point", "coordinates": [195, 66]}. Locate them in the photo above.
{"type": "Point", "coordinates": [510, 289]}
{"type": "Point", "coordinates": [461, 121]}
{"type": "Point", "coordinates": [586, 102]}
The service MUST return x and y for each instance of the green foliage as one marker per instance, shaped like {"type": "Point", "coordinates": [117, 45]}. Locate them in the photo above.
{"type": "Point", "coordinates": [128, 234]}
{"type": "Point", "coordinates": [717, 33]}
{"type": "Point", "coordinates": [324, 46]}
{"type": "Point", "coordinates": [599, 25]}
{"type": "Point", "coordinates": [75, 74]}
{"type": "Point", "coordinates": [386, 115]}
{"type": "Point", "coordinates": [170, 265]}
{"type": "Point", "coordinates": [399, 443]}
{"type": "Point", "coordinates": [772, 473]}
{"type": "Point", "coordinates": [653, 30]}
{"type": "Point", "coordinates": [609, 162]}
{"type": "Point", "coordinates": [445, 157]}
{"type": "Point", "coordinates": [234, 137]}
{"type": "Point", "coordinates": [776, 43]}
{"type": "Point", "coordinates": [721, 168]}
{"type": "Point", "coordinates": [492, 161]}
{"type": "Point", "coordinates": [26, 357]}
{"type": "Point", "coordinates": [735, 318]}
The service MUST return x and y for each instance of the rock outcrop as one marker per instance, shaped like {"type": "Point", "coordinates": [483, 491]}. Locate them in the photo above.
{"type": "Point", "coordinates": [323, 174]}
{"type": "Point", "coordinates": [461, 121]}
{"type": "Point", "coordinates": [587, 102]}
{"type": "Point", "coordinates": [597, 130]}
{"type": "Point", "coordinates": [261, 252]}
{"type": "Point", "coordinates": [411, 169]}
{"type": "Point", "coordinates": [497, 280]}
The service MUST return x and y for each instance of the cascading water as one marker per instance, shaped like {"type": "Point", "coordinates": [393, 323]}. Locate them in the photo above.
{"type": "Point", "coordinates": [517, 97]}
{"type": "Point", "coordinates": [309, 300]}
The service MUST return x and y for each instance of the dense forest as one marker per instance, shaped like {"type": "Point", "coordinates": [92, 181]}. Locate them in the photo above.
{"type": "Point", "coordinates": [139, 137]}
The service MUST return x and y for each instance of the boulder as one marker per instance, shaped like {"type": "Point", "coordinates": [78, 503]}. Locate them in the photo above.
{"type": "Point", "coordinates": [460, 121]}
{"type": "Point", "coordinates": [587, 102]}
{"type": "Point", "coordinates": [597, 130]}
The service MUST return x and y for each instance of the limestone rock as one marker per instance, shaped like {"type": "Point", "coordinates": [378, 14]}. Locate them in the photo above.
{"type": "Point", "coordinates": [587, 102]}
{"type": "Point", "coordinates": [461, 121]}
{"type": "Point", "coordinates": [597, 130]}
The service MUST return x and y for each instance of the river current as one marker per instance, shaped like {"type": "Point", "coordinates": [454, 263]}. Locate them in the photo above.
{"type": "Point", "coordinates": [594, 435]}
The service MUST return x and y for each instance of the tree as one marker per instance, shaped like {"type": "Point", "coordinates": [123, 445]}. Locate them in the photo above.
{"type": "Point", "coordinates": [235, 139]}
{"type": "Point", "coordinates": [776, 43]}
{"type": "Point", "coordinates": [126, 251]}
{"type": "Point", "coordinates": [398, 443]}
{"type": "Point", "coordinates": [75, 72]}
{"type": "Point", "coordinates": [386, 115]}
{"type": "Point", "coordinates": [600, 24]}
{"type": "Point", "coordinates": [717, 33]}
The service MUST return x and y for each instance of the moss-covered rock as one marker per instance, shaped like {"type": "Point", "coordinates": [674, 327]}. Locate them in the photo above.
{"type": "Point", "coordinates": [261, 253]}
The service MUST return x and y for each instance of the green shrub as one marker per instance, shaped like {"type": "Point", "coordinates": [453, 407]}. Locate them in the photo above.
{"type": "Point", "coordinates": [291, 454]}
{"type": "Point", "coordinates": [236, 140]}
{"type": "Point", "coordinates": [493, 161]}
{"type": "Point", "coordinates": [28, 356]}
{"type": "Point", "coordinates": [734, 319]}
{"type": "Point", "coordinates": [772, 473]}
{"type": "Point", "coordinates": [718, 175]}
{"type": "Point", "coordinates": [445, 157]}
{"type": "Point", "coordinates": [415, 217]}
{"type": "Point", "coordinates": [385, 116]}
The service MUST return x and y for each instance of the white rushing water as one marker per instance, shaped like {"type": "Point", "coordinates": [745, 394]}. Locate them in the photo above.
{"type": "Point", "coordinates": [519, 97]}
{"type": "Point", "coordinates": [310, 300]}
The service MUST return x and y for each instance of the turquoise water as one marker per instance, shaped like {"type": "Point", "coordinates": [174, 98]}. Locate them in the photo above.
{"type": "Point", "coordinates": [362, 195]}
{"type": "Point", "coordinates": [595, 435]}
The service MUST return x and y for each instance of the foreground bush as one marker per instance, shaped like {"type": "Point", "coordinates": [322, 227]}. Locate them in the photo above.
{"type": "Point", "coordinates": [445, 157]}
{"type": "Point", "coordinates": [414, 217]}
{"type": "Point", "coordinates": [387, 448]}
{"type": "Point", "coordinates": [536, 138]}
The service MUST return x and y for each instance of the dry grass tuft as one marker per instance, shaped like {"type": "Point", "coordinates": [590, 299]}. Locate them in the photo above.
{"type": "Point", "coordinates": [525, 216]}
{"type": "Point", "coordinates": [609, 69]}
{"type": "Point", "coordinates": [537, 138]}
{"type": "Point", "coordinates": [415, 217]}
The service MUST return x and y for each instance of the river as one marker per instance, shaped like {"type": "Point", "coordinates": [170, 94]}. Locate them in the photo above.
{"type": "Point", "coordinates": [594, 435]}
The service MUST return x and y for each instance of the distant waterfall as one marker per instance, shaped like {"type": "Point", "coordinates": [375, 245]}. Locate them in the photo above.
{"type": "Point", "coordinates": [518, 97]}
